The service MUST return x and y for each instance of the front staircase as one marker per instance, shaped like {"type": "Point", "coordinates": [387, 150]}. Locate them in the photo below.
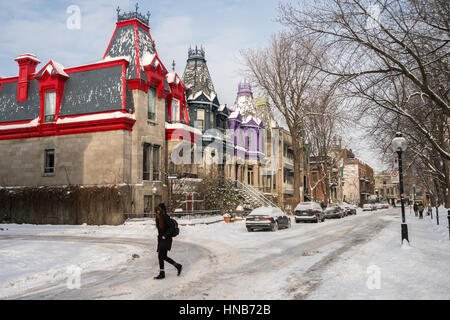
{"type": "Point", "coordinates": [251, 197]}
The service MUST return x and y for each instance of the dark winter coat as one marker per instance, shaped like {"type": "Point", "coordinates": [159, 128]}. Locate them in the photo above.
{"type": "Point", "coordinates": [165, 244]}
{"type": "Point", "coordinates": [415, 207]}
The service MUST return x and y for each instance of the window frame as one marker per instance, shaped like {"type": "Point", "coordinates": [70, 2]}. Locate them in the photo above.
{"type": "Point", "coordinates": [53, 100]}
{"type": "Point", "coordinates": [176, 116]}
{"type": "Point", "coordinates": [152, 91]}
{"type": "Point", "coordinates": [46, 168]}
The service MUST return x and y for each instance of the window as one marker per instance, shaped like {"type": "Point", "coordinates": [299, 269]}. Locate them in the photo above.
{"type": "Point", "coordinates": [155, 164]}
{"type": "Point", "coordinates": [150, 163]}
{"type": "Point", "coordinates": [49, 162]}
{"type": "Point", "coordinates": [201, 117]}
{"type": "Point", "coordinates": [175, 110]}
{"type": "Point", "coordinates": [151, 103]}
{"type": "Point", "coordinates": [50, 106]}
{"type": "Point", "coordinates": [211, 119]}
{"type": "Point", "coordinates": [146, 161]}
{"type": "Point", "coordinates": [274, 181]}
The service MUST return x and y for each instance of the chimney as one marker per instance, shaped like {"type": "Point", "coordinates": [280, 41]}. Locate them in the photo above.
{"type": "Point", "coordinates": [27, 67]}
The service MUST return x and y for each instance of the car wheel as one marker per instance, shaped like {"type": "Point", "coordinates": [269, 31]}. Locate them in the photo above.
{"type": "Point", "coordinates": [275, 226]}
{"type": "Point", "coordinates": [249, 229]}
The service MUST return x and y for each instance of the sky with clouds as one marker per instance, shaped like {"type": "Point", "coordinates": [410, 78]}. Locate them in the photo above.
{"type": "Point", "coordinates": [222, 27]}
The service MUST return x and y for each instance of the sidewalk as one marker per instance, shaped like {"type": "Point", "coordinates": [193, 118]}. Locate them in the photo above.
{"type": "Point", "coordinates": [384, 269]}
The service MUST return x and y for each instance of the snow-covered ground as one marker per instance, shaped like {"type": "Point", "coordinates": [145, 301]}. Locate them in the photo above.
{"type": "Point", "coordinates": [385, 269]}
{"type": "Point", "coordinates": [332, 260]}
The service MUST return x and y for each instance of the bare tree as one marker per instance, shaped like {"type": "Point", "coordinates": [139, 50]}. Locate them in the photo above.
{"type": "Point", "coordinates": [372, 41]}
{"type": "Point", "coordinates": [283, 73]}
{"type": "Point", "coordinates": [393, 55]}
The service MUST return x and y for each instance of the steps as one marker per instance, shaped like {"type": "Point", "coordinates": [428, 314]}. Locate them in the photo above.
{"type": "Point", "coordinates": [252, 198]}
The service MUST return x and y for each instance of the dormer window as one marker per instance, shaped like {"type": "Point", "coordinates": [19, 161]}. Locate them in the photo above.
{"type": "Point", "coordinates": [49, 106]}
{"type": "Point", "coordinates": [175, 110]}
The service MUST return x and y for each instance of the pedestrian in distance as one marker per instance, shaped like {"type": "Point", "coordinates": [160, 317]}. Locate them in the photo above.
{"type": "Point", "coordinates": [167, 229]}
{"type": "Point", "coordinates": [421, 208]}
{"type": "Point", "coordinates": [415, 208]}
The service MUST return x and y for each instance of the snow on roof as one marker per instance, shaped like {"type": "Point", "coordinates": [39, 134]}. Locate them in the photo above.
{"type": "Point", "coordinates": [172, 77]}
{"type": "Point", "coordinates": [99, 116]}
{"type": "Point", "coordinates": [148, 58]}
{"type": "Point", "coordinates": [59, 68]}
{"type": "Point", "coordinates": [32, 123]}
{"type": "Point", "coordinates": [221, 108]}
{"type": "Point", "coordinates": [235, 114]}
{"type": "Point", "coordinates": [108, 58]}
{"type": "Point", "coordinates": [199, 93]}
{"type": "Point", "coordinates": [29, 56]}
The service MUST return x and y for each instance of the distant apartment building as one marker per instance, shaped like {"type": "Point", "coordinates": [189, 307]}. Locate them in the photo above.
{"type": "Point", "coordinates": [358, 179]}
{"type": "Point", "coordinates": [385, 189]}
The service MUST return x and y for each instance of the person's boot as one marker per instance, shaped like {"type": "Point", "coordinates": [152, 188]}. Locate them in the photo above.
{"type": "Point", "coordinates": [161, 275]}
{"type": "Point", "coordinates": [179, 268]}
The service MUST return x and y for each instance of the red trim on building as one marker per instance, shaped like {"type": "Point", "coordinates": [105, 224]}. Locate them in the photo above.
{"type": "Point", "coordinates": [55, 129]}
{"type": "Point", "coordinates": [171, 135]}
{"type": "Point", "coordinates": [110, 41]}
{"type": "Point", "coordinates": [50, 83]}
{"type": "Point", "coordinates": [136, 43]}
{"type": "Point", "coordinates": [10, 79]}
{"type": "Point", "coordinates": [139, 84]}
{"type": "Point", "coordinates": [98, 65]}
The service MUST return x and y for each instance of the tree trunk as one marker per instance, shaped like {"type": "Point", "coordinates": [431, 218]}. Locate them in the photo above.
{"type": "Point", "coordinates": [298, 176]}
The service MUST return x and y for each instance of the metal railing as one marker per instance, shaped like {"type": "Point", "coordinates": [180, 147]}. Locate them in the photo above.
{"type": "Point", "coordinates": [253, 193]}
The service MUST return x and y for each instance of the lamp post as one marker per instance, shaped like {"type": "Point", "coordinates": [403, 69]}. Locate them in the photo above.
{"type": "Point", "coordinates": [399, 145]}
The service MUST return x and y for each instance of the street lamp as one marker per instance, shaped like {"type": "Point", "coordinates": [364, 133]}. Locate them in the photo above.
{"type": "Point", "coordinates": [399, 145]}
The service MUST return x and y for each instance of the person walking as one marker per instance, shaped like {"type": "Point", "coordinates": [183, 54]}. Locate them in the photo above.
{"type": "Point", "coordinates": [415, 208]}
{"type": "Point", "coordinates": [421, 208]}
{"type": "Point", "coordinates": [165, 231]}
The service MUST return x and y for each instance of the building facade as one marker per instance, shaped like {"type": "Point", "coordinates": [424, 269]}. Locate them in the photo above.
{"type": "Point", "coordinates": [358, 179]}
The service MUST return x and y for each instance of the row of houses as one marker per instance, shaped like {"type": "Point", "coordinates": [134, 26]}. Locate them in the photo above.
{"type": "Point", "coordinates": [127, 120]}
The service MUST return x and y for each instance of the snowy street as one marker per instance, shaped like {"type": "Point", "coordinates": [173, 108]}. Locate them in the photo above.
{"type": "Point", "coordinates": [337, 259]}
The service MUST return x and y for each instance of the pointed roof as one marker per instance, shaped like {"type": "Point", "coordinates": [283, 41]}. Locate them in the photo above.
{"type": "Point", "coordinates": [52, 67]}
{"type": "Point", "coordinates": [196, 74]}
{"type": "Point", "coordinates": [132, 39]}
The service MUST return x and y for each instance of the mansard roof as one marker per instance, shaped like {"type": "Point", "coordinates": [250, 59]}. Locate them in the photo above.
{"type": "Point", "coordinates": [132, 39]}
{"type": "Point", "coordinates": [196, 75]}
{"type": "Point", "coordinates": [88, 89]}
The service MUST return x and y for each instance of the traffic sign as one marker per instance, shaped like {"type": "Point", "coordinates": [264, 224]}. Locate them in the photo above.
{"type": "Point", "coordinates": [396, 163]}
{"type": "Point", "coordinates": [395, 178]}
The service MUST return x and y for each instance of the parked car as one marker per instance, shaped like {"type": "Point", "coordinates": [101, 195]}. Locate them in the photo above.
{"type": "Point", "coordinates": [351, 210]}
{"type": "Point", "coordinates": [309, 211]}
{"type": "Point", "coordinates": [335, 212]}
{"type": "Point", "coordinates": [378, 206]}
{"type": "Point", "coordinates": [267, 218]}
{"type": "Point", "coordinates": [368, 207]}
{"type": "Point", "coordinates": [385, 205]}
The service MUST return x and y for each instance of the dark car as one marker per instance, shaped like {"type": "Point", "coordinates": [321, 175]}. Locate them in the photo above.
{"type": "Point", "coordinates": [309, 212]}
{"type": "Point", "coordinates": [335, 212]}
{"type": "Point", "coordinates": [267, 218]}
